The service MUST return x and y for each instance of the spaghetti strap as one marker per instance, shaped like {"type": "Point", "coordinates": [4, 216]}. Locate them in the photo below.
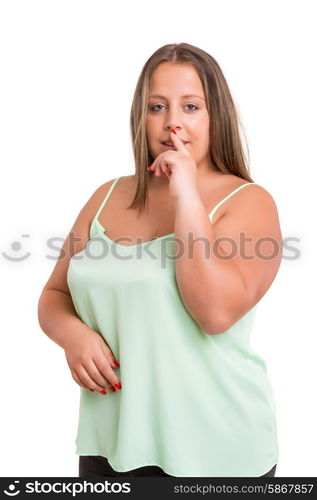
{"type": "Point", "coordinates": [106, 197]}
{"type": "Point", "coordinates": [228, 196]}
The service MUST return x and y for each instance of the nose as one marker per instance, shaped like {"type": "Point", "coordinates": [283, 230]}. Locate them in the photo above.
{"type": "Point", "coordinates": [172, 121]}
{"type": "Point", "coordinates": [172, 126]}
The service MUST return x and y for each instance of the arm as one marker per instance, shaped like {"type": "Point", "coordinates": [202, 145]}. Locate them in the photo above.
{"type": "Point", "coordinates": [220, 286]}
{"type": "Point", "coordinates": [56, 313]}
{"type": "Point", "coordinates": [57, 316]}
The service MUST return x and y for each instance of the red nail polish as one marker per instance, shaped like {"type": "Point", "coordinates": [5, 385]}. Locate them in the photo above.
{"type": "Point", "coordinates": [112, 389]}
{"type": "Point", "coordinates": [103, 392]}
{"type": "Point", "coordinates": [91, 390]}
{"type": "Point", "coordinates": [173, 131]}
{"type": "Point", "coordinates": [116, 363]}
{"type": "Point", "coordinates": [118, 385]}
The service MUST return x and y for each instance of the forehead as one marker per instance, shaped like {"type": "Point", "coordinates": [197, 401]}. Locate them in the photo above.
{"type": "Point", "coordinates": [175, 78]}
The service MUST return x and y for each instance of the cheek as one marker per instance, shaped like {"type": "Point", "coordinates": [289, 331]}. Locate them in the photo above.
{"type": "Point", "coordinates": [199, 136]}
{"type": "Point", "coordinates": [147, 124]}
{"type": "Point", "coordinates": [204, 137]}
{"type": "Point", "coordinates": [199, 126]}
{"type": "Point", "coordinates": [151, 125]}
{"type": "Point", "coordinates": [149, 120]}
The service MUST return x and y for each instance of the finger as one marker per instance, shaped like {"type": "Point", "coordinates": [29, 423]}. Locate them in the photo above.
{"type": "Point", "coordinates": [178, 143]}
{"type": "Point", "coordinates": [88, 381]}
{"type": "Point", "coordinates": [158, 169]}
{"type": "Point", "coordinates": [109, 355]}
{"type": "Point", "coordinates": [168, 173]}
{"type": "Point", "coordinates": [153, 168]}
{"type": "Point", "coordinates": [104, 368]}
{"type": "Point", "coordinates": [77, 380]}
{"type": "Point", "coordinates": [81, 382]}
{"type": "Point", "coordinates": [164, 168]}
{"type": "Point", "coordinates": [99, 377]}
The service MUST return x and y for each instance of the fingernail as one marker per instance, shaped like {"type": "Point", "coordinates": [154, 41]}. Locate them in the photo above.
{"type": "Point", "coordinates": [173, 131]}
{"type": "Point", "coordinates": [118, 385]}
{"type": "Point", "coordinates": [102, 392]}
{"type": "Point", "coordinates": [112, 389]}
{"type": "Point", "coordinates": [116, 363]}
{"type": "Point", "coordinates": [91, 390]}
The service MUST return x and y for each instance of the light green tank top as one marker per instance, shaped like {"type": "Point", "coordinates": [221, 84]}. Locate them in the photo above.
{"type": "Point", "coordinates": [191, 403]}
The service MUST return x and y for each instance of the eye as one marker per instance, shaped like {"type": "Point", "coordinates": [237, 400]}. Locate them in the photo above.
{"type": "Point", "coordinates": [192, 105]}
{"type": "Point", "coordinates": [152, 108]}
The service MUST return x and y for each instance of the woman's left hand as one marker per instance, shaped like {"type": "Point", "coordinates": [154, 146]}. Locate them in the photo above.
{"type": "Point", "coordinates": [179, 167]}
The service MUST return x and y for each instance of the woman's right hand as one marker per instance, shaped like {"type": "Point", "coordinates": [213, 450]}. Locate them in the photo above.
{"type": "Point", "coordinates": [90, 360]}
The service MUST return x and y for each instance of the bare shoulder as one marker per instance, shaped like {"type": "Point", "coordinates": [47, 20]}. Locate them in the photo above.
{"type": "Point", "coordinates": [99, 194]}
{"type": "Point", "coordinates": [124, 185]}
{"type": "Point", "coordinates": [253, 210]}
{"type": "Point", "coordinates": [259, 200]}
{"type": "Point", "coordinates": [252, 197]}
{"type": "Point", "coordinates": [76, 239]}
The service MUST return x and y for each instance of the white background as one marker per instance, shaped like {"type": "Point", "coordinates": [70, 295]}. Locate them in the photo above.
{"type": "Point", "coordinates": [68, 73]}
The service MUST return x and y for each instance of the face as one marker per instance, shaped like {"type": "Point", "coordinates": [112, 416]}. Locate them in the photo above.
{"type": "Point", "coordinates": [169, 109]}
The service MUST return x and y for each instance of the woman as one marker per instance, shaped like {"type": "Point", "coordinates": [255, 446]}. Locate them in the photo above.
{"type": "Point", "coordinates": [154, 317]}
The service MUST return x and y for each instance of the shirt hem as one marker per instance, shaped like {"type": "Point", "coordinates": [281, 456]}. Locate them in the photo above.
{"type": "Point", "coordinates": [165, 469]}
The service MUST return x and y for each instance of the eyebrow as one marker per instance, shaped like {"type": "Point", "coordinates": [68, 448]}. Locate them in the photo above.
{"type": "Point", "coordinates": [186, 95]}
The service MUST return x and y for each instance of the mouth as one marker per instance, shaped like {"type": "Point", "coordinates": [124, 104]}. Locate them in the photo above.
{"type": "Point", "coordinates": [170, 145]}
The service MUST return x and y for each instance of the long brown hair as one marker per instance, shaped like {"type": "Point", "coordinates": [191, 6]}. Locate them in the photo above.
{"type": "Point", "coordinates": [226, 152]}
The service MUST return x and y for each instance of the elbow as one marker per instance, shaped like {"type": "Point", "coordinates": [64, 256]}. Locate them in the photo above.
{"type": "Point", "coordinates": [215, 326]}
{"type": "Point", "coordinates": [39, 313]}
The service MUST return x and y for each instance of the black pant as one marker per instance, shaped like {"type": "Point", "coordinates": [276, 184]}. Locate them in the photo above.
{"type": "Point", "coordinates": [99, 466]}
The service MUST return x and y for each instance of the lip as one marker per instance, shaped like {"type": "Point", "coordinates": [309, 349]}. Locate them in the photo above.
{"type": "Point", "coordinates": [162, 142]}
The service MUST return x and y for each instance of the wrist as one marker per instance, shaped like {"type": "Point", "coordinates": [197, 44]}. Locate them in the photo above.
{"type": "Point", "coordinates": [188, 199]}
{"type": "Point", "coordinates": [72, 327]}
